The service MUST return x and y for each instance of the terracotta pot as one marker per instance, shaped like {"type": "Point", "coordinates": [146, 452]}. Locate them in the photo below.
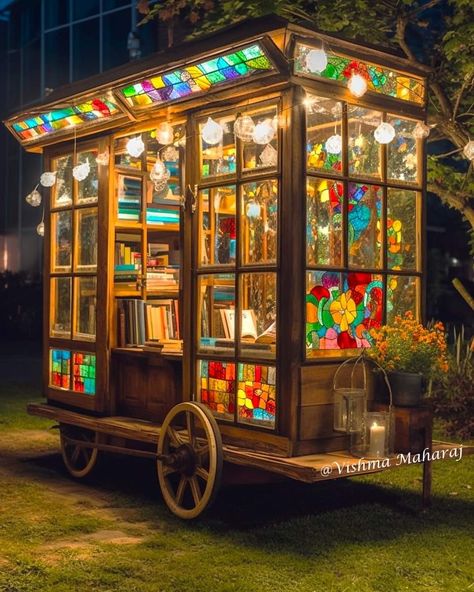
{"type": "Point", "coordinates": [407, 389]}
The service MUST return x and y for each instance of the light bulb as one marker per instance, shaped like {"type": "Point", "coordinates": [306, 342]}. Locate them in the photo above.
{"type": "Point", "coordinates": [420, 131]}
{"type": "Point", "coordinates": [159, 174]}
{"type": "Point", "coordinates": [468, 150]}
{"type": "Point", "coordinates": [333, 144]}
{"type": "Point", "coordinates": [316, 60]}
{"type": "Point", "coordinates": [135, 146]}
{"type": "Point", "coordinates": [212, 132]}
{"type": "Point", "coordinates": [244, 127]}
{"type": "Point", "coordinates": [165, 133]}
{"type": "Point", "coordinates": [384, 133]}
{"type": "Point", "coordinates": [264, 132]}
{"type": "Point", "coordinates": [48, 179]}
{"type": "Point", "coordinates": [357, 85]}
{"type": "Point", "coordinates": [81, 171]}
{"type": "Point", "coordinates": [40, 229]}
{"type": "Point", "coordinates": [33, 198]}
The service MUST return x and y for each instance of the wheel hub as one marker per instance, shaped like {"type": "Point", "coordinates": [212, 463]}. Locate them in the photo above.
{"type": "Point", "coordinates": [183, 459]}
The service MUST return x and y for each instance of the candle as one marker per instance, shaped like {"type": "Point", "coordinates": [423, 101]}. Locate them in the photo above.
{"type": "Point", "coordinates": [377, 440]}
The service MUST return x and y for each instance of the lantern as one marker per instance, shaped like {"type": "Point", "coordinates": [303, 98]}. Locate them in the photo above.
{"type": "Point", "coordinates": [384, 133]}
{"type": "Point", "coordinates": [33, 198]}
{"type": "Point", "coordinates": [264, 132]}
{"type": "Point", "coordinates": [316, 60]}
{"type": "Point", "coordinates": [375, 438]}
{"type": "Point", "coordinates": [350, 403]}
{"type": "Point", "coordinates": [333, 144]}
{"type": "Point", "coordinates": [81, 171]}
{"type": "Point", "coordinates": [165, 133]}
{"type": "Point", "coordinates": [244, 127]}
{"type": "Point", "coordinates": [135, 146]}
{"type": "Point", "coordinates": [212, 132]}
{"type": "Point", "coordinates": [357, 85]}
{"type": "Point", "coordinates": [40, 229]}
{"type": "Point", "coordinates": [159, 174]}
{"type": "Point", "coordinates": [421, 131]}
{"type": "Point", "coordinates": [269, 156]}
{"type": "Point", "coordinates": [48, 179]}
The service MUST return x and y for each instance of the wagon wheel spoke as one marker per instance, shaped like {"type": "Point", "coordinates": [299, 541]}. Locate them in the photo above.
{"type": "Point", "coordinates": [168, 470]}
{"type": "Point", "coordinates": [202, 450]}
{"type": "Point", "coordinates": [173, 436]}
{"type": "Point", "coordinates": [85, 453]}
{"type": "Point", "coordinates": [191, 427]}
{"type": "Point", "coordinates": [181, 489]}
{"type": "Point", "coordinates": [201, 472]}
{"type": "Point", "coordinates": [76, 453]}
{"type": "Point", "coordinates": [195, 489]}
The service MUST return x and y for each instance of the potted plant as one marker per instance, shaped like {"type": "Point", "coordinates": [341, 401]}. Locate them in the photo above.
{"type": "Point", "coordinates": [411, 354]}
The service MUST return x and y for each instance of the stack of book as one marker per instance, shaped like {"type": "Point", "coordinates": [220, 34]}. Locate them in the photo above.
{"type": "Point", "coordinates": [162, 215]}
{"type": "Point", "coordinates": [141, 322]}
{"type": "Point", "coordinates": [128, 260]}
{"type": "Point", "coordinates": [162, 320]}
{"type": "Point", "coordinates": [162, 279]}
{"type": "Point", "coordinates": [129, 196]}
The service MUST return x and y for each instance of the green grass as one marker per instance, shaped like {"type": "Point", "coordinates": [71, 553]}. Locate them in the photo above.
{"type": "Point", "coordinates": [362, 534]}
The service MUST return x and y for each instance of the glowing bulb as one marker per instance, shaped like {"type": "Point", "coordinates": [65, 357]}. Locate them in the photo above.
{"type": "Point", "coordinates": [212, 132]}
{"type": "Point", "coordinates": [316, 60]}
{"type": "Point", "coordinates": [253, 209]}
{"type": "Point", "coordinates": [48, 179]}
{"type": "Point", "coordinates": [165, 133]}
{"type": "Point", "coordinates": [33, 198]}
{"type": "Point", "coordinates": [159, 174]}
{"type": "Point", "coordinates": [333, 144]}
{"type": "Point", "coordinates": [264, 132]}
{"type": "Point", "coordinates": [40, 229]}
{"type": "Point", "coordinates": [421, 130]}
{"type": "Point", "coordinates": [81, 171]}
{"type": "Point", "coordinates": [468, 150]}
{"type": "Point", "coordinates": [357, 85]}
{"type": "Point", "coordinates": [135, 146]}
{"type": "Point", "coordinates": [244, 127]}
{"type": "Point", "coordinates": [384, 133]}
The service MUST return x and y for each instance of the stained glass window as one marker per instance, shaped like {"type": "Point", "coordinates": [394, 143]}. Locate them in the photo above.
{"type": "Point", "coordinates": [341, 309]}
{"type": "Point", "coordinates": [261, 156]}
{"type": "Point", "coordinates": [379, 79]}
{"type": "Point", "coordinates": [60, 368]}
{"type": "Point", "coordinates": [324, 135]}
{"type": "Point", "coordinates": [216, 386]}
{"type": "Point", "coordinates": [401, 228]}
{"type": "Point", "coordinates": [83, 373]}
{"type": "Point", "coordinates": [259, 222]}
{"type": "Point", "coordinates": [401, 295]}
{"type": "Point", "coordinates": [197, 78]}
{"type": "Point", "coordinates": [324, 198]}
{"type": "Point", "coordinates": [256, 394]}
{"type": "Point", "coordinates": [42, 124]}
{"type": "Point", "coordinates": [402, 160]}
{"type": "Point", "coordinates": [364, 214]}
{"type": "Point", "coordinates": [364, 152]}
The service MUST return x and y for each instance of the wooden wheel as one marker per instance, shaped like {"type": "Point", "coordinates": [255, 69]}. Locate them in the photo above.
{"type": "Point", "coordinates": [79, 459]}
{"type": "Point", "coordinates": [190, 467]}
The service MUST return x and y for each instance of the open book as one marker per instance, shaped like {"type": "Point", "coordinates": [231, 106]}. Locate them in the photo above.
{"type": "Point", "coordinates": [248, 326]}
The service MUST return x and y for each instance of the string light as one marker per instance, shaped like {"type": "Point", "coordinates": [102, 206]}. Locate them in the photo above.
{"type": "Point", "coordinates": [316, 60]}
{"type": "Point", "coordinates": [40, 229]}
{"type": "Point", "coordinates": [159, 174]}
{"type": "Point", "coordinates": [135, 146]}
{"type": "Point", "coordinates": [421, 131]}
{"type": "Point", "coordinates": [212, 132]}
{"type": "Point", "coordinates": [468, 150]}
{"type": "Point", "coordinates": [384, 133]}
{"type": "Point", "coordinates": [165, 133]}
{"type": "Point", "coordinates": [81, 171]}
{"type": "Point", "coordinates": [103, 158]}
{"type": "Point", "coordinates": [264, 132]}
{"type": "Point", "coordinates": [333, 144]}
{"type": "Point", "coordinates": [244, 128]}
{"type": "Point", "coordinates": [357, 85]}
{"type": "Point", "coordinates": [269, 156]}
{"type": "Point", "coordinates": [48, 179]}
{"type": "Point", "coordinates": [34, 198]}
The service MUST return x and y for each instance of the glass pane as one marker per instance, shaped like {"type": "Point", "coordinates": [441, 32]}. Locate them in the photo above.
{"type": "Point", "coordinates": [85, 8]}
{"type": "Point", "coordinates": [61, 240]}
{"type": "Point", "coordinates": [258, 297]}
{"type": "Point", "coordinates": [216, 307]}
{"type": "Point", "coordinates": [402, 152]}
{"type": "Point", "coordinates": [216, 387]}
{"type": "Point", "coordinates": [259, 222]}
{"type": "Point", "coordinates": [60, 368]}
{"type": "Point", "coordinates": [217, 226]}
{"type": "Point", "coordinates": [56, 61]}
{"type": "Point", "coordinates": [401, 229]}
{"type": "Point", "coordinates": [364, 150]}
{"type": "Point", "coordinates": [401, 296]}
{"type": "Point", "coordinates": [62, 189]}
{"type": "Point", "coordinates": [324, 134]}
{"type": "Point", "coordinates": [88, 189]}
{"type": "Point", "coordinates": [264, 154]}
{"type": "Point", "coordinates": [168, 189]}
{"type": "Point", "coordinates": [115, 26]}
{"type": "Point", "coordinates": [87, 238]}
{"type": "Point", "coordinates": [83, 373]}
{"type": "Point", "coordinates": [85, 297]}
{"type": "Point", "coordinates": [365, 206]}
{"type": "Point", "coordinates": [218, 158]}
{"type": "Point", "coordinates": [256, 394]}
{"type": "Point", "coordinates": [85, 44]}
{"type": "Point", "coordinates": [341, 309]}
{"type": "Point", "coordinates": [56, 12]}
{"type": "Point", "coordinates": [129, 197]}
{"type": "Point", "coordinates": [324, 221]}
{"type": "Point", "coordinates": [61, 307]}
{"type": "Point", "coordinates": [122, 158]}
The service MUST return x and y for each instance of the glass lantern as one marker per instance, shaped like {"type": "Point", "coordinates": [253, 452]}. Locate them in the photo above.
{"type": "Point", "coordinates": [374, 440]}
{"type": "Point", "coordinates": [349, 409]}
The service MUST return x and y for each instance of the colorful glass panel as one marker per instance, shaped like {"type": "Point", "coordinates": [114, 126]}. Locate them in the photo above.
{"type": "Point", "coordinates": [197, 78]}
{"type": "Point", "coordinates": [379, 79]}
{"type": "Point", "coordinates": [364, 213]}
{"type": "Point", "coordinates": [217, 387]}
{"type": "Point", "coordinates": [60, 368]}
{"type": "Point", "coordinates": [44, 124]}
{"type": "Point", "coordinates": [259, 222]}
{"type": "Point", "coordinates": [323, 134]}
{"type": "Point", "coordinates": [401, 296]}
{"type": "Point", "coordinates": [341, 309]}
{"type": "Point", "coordinates": [402, 158]}
{"type": "Point", "coordinates": [256, 394]}
{"type": "Point", "coordinates": [83, 373]}
{"type": "Point", "coordinates": [401, 228]}
{"type": "Point", "coordinates": [364, 151]}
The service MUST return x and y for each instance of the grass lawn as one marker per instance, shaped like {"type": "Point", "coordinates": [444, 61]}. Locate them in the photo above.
{"type": "Point", "coordinates": [114, 533]}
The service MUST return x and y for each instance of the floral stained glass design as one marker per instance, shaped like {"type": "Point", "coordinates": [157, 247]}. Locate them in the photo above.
{"type": "Point", "coordinates": [256, 394]}
{"type": "Point", "coordinates": [217, 387]}
{"type": "Point", "coordinates": [380, 80]}
{"type": "Point", "coordinates": [341, 309]}
{"type": "Point", "coordinates": [60, 368]}
{"type": "Point", "coordinates": [84, 366]}
{"type": "Point", "coordinates": [197, 78]}
{"type": "Point", "coordinates": [40, 125]}
{"type": "Point", "coordinates": [364, 213]}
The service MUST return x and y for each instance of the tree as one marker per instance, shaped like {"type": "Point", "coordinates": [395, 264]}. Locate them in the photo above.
{"type": "Point", "coordinates": [437, 33]}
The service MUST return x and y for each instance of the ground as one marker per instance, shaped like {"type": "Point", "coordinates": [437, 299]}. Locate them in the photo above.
{"type": "Point", "coordinates": [115, 534]}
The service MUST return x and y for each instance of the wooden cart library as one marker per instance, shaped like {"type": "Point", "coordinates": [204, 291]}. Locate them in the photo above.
{"type": "Point", "coordinates": [224, 223]}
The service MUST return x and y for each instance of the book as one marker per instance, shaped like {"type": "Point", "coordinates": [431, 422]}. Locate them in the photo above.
{"type": "Point", "coordinates": [248, 329]}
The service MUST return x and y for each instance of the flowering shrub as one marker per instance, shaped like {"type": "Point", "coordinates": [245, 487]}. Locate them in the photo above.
{"type": "Point", "coordinates": [407, 346]}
